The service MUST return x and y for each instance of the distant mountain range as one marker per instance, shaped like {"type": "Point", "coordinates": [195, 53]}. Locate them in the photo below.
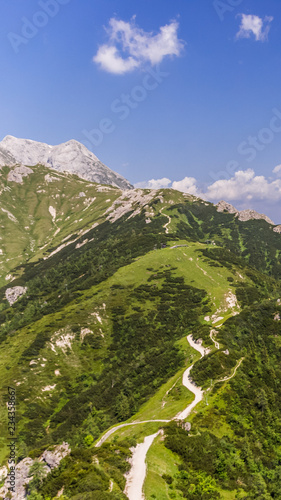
{"type": "Point", "coordinates": [71, 156]}
{"type": "Point", "coordinates": [74, 158]}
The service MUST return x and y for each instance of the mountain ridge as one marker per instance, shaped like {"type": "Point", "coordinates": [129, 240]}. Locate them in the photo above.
{"type": "Point", "coordinates": [74, 158]}
{"type": "Point", "coordinates": [71, 156]}
{"type": "Point", "coordinates": [104, 287]}
{"type": "Point", "coordinates": [243, 215]}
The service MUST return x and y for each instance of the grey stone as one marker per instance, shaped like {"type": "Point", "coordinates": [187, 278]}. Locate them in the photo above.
{"type": "Point", "coordinates": [13, 294]}
{"type": "Point", "coordinates": [72, 157]}
{"type": "Point", "coordinates": [50, 459]}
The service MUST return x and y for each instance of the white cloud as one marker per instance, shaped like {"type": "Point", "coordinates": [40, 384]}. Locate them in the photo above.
{"type": "Point", "coordinates": [188, 185]}
{"type": "Point", "coordinates": [110, 61]}
{"type": "Point", "coordinates": [154, 184]}
{"type": "Point", "coordinates": [130, 46]}
{"type": "Point", "coordinates": [244, 186]}
{"type": "Point", "coordinates": [277, 170]}
{"type": "Point", "coordinates": [254, 25]}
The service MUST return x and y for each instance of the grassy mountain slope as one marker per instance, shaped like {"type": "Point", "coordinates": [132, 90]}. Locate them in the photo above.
{"type": "Point", "coordinates": [45, 210]}
{"type": "Point", "coordinates": [235, 439]}
{"type": "Point", "coordinates": [100, 336]}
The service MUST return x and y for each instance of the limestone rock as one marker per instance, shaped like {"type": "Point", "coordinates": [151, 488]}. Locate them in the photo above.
{"type": "Point", "coordinates": [53, 458]}
{"type": "Point", "coordinates": [224, 206]}
{"type": "Point", "coordinates": [130, 201]}
{"type": "Point", "coordinates": [70, 156]}
{"type": "Point", "coordinates": [17, 174]}
{"type": "Point", "coordinates": [13, 294]}
{"type": "Point", "coordinates": [3, 472]}
{"type": "Point", "coordinates": [22, 478]}
{"type": "Point", "coordinates": [244, 215]}
{"type": "Point", "coordinates": [50, 459]}
{"type": "Point", "coordinates": [249, 214]}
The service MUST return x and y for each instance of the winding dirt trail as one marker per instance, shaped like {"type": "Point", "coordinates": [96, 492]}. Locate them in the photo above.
{"type": "Point", "coordinates": [233, 374]}
{"type": "Point", "coordinates": [136, 476]}
{"type": "Point", "coordinates": [187, 382]}
{"type": "Point", "coordinates": [212, 332]}
{"type": "Point", "coordinates": [114, 429]}
{"type": "Point", "coordinates": [169, 221]}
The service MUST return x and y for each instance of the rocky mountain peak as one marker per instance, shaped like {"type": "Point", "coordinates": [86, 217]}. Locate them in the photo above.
{"type": "Point", "coordinates": [71, 156]}
{"type": "Point", "coordinates": [244, 215]}
{"type": "Point", "coordinates": [224, 206]}
{"type": "Point", "coordinates": [249, 214]}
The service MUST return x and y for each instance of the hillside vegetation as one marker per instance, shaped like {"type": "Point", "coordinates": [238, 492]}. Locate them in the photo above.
{"type": "Point", "coordinates": [114, 284]}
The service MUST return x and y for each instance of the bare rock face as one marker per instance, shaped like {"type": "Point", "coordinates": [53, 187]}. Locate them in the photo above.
{"type": "Point", "coordinates": [224, 206]}
{"type": "Point", "coordinates": [252, 214]}
{"type": "Point", "coordinates": [15, 484]}
{"type": "Point", "coordinates": [6, 158]}
{"type": "Point", "coordinates": [13, 294]}
{"type": "Point", "coordinates": [244, 215]}
{"type": "Point", "coordinates": [70, 156]}
{"type": "Point", "coordinates": [17, 174]}
{"type": "Point", "coordinates": [3, 472]}
{"type": "Point", "coordinates": [186, 426]}
{"type": "Point", "coordinates": [54, 457]}
{"type": "Point", "coordinates": [132, 200]}
{"type": "Point", "coordinates": [50, 460]}
{"type": "Point", "coordinates": [277, 229]}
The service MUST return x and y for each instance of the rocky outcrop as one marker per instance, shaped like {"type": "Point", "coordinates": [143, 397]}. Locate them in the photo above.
{"type": "Point", "coordinates": [71, 157]}
{"type": "Point", "coordinates": [130, 201]}
{"type": "Point", "coordinates": [54, 457]}
{"type": "Point", "coordinates": [13, 294]}
{"type": "Point", "coordinates": [50, 459]}
{"type": "Point", "coordinates": [3, 472]}
{"type": "Point", "coordinates": [223, 206]}
{"type": "Point", "coordinates": [186, 426]}
{"type": "Point", "coordinates": [277, 229]}
{"type": "Point", "coordinates": [15, 484]}
{"type": "Point", "coordinates": [17, 174]}
{"type": "Point", "coordinates": [244, 215]}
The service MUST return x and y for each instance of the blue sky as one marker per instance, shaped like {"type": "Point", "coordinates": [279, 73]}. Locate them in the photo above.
{"type": "Point", "coordinates": [202, 78]}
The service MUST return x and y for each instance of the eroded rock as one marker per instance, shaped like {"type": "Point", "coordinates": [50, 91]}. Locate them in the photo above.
{"type": "Point", "coordinates": [53, 458]}
{"type": "Point", "coordinates": [244, 215]}
{"type": "Point", "coordinates": [249, 214]}
{"type": "Point", "coordinates": [224, 206]}
{"type": "Point", "coordinates": [50, 459]}
{"type": "Point", "coordinates": [17, 174]}
{"type": "Point", "coordinates": [13, 294]}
